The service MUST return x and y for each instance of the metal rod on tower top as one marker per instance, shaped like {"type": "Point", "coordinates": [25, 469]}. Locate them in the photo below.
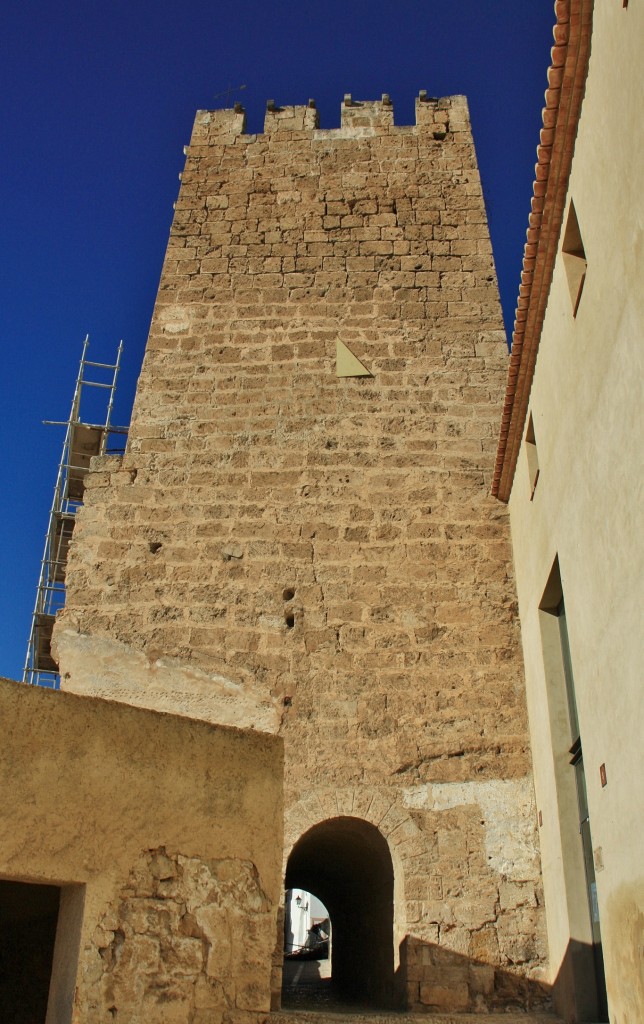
{"type": "Point", "coordinates": [227, 92]}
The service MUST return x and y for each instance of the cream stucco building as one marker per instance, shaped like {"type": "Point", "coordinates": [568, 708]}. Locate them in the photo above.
{"type": "Point", "coordinates": [570, 465]}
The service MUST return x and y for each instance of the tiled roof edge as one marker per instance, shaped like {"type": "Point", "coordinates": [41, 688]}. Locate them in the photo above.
{"type": "Point", "coordinates": [566, 82]}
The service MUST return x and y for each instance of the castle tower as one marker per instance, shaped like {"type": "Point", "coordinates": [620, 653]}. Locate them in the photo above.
{"type": "Point", "coordinates": [300, 537]}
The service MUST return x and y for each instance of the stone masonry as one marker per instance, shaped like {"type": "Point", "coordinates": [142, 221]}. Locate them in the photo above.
{"type": "Point", "coordinates": [157, 835]}
{"type": "Point", "coordinates": [291, 550]}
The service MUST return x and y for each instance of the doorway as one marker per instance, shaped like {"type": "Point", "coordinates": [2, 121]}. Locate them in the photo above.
{"type": "Point", "coordinates": [346, 863]}
{"type": "Point", "coordinates": [28, 920]}
{"type": "Point", "coordinates": [583, 986]}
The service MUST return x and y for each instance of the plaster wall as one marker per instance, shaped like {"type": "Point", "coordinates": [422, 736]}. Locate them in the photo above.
{"type": "Point", "coordinates": [165, 838]}
{"type": "Point", "coordinates": [318, 554]}
{"type": "Point", "coordinates": [586, 404]}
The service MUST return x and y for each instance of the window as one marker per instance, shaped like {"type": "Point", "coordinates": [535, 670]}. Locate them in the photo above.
{"type": "Point", "coordinates": [574, 258]}
{"type": "Point", "coordinates": [533, 459]}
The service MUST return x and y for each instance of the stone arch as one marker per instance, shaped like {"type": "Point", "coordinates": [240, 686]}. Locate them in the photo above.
{"type": "Point", "coordinates": [349, 847]}
{"type": "Point", "coordinates": [346, 863]}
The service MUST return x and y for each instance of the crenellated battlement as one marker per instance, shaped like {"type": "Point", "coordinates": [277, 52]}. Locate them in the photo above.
{"type": "Point", "coordinates": [358, 118]}
{"type": "Point", "coordinates": [377, 114]}
{"type": "Point", "coordinates": [211, 123]}
{"type": "Point", "coordinates": [290, 119]}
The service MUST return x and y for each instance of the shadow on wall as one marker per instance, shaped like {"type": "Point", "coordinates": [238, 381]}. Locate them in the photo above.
{"type": "Point", "coordinates": [439, 979]}
{"type": "Point", "coordinates": [346, 862]}
{"type": "Point", "coordinates": [579, 990]}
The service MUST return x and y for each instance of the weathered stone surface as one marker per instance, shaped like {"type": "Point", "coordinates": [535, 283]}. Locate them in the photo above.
{"type": "Point", "coordinates": [165, 834]}
{"type": "Point", "coordinates": [326, 546]}
{"type": "Point", "coordinates": [102, 667]}
{"type": "Point", "coordinates": [184, 935]}
{"type": "Point", "coordinates": [303, 1017]}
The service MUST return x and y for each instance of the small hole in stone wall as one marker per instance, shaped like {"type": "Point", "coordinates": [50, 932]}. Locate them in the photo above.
{"type": "Point", "coordinates": [288, 701]}
{"type": "Point", "coordinates": [154, 546]}
{"type": "Point", "coordinates": [289, 619]}
{"type": "Point", "coordinates": [288, 594]}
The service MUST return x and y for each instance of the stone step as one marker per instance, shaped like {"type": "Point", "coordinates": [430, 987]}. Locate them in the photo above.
{"type": "Point", "coordinates": [375, 1017]}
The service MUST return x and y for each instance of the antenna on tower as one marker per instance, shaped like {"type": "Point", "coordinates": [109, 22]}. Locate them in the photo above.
{"type": "Point", "coordinates": [227, 92]}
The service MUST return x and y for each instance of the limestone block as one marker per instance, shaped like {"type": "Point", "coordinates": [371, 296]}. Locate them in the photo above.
{"type": "Point", "coordinates": [442, 997]}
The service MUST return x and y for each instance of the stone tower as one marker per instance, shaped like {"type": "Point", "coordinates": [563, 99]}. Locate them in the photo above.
{"type": "Point", "coordinates": [300, 537]}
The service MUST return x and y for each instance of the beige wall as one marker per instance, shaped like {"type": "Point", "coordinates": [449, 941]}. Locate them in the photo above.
{"type": "Point", "coordinates": [165, 835]}
{"type": "Point", "coordinates": [586, 404]}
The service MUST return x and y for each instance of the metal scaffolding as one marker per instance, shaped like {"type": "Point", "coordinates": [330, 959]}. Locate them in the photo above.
{"type": "Point", "coordinates": [83, 440]}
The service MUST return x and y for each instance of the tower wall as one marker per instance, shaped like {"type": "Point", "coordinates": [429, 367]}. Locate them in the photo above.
{"type": "Point", "coordinates": [291, 550]}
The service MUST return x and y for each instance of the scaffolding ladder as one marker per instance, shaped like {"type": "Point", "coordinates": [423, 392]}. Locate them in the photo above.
{"type": "Point", "coordinates": [83, 440]}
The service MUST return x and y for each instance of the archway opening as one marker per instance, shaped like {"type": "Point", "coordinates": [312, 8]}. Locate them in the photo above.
{"type": "Point", "coordinates": [306, 976]}
{"type": "Point", "coordinates": [346, 863]}
{"type": "Point", "coordinates": [307, 926]}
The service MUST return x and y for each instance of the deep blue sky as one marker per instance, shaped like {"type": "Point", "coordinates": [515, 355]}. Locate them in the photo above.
{"type": "Point", "coordinates": [97, 101]}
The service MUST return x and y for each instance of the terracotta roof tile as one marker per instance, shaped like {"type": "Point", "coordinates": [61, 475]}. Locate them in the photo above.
{"type": "Point", "coordinates": [563, 97]}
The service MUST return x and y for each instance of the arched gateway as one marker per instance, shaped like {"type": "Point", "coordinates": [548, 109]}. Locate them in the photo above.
{"type": "Point", "coordinates": [346, 862]}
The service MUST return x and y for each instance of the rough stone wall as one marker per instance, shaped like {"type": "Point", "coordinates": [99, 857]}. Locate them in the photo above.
{"type": "Point", "coordinates": [183, 941]}
{"type": "Point", "coordinates": [321, 551]}
{"type": "Point", "coordinates": [163, 835]}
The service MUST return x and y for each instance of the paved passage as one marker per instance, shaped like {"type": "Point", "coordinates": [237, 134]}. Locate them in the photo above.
{"type": "Point", "coordinates": [307, 985]}
{"type": "Point", "coordinates": [296, 1016]}
{"type": "Point", "coordinates": [308, 997]}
